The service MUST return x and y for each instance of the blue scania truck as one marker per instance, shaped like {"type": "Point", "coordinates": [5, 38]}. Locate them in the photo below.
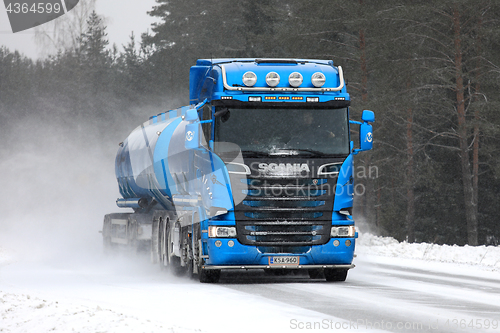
{"type": "Point", "coordinates": [256, 173]}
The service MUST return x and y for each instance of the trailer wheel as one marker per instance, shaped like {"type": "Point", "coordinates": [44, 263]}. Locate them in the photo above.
{"type": "Point", "coordinates": [107, 245]}
{"type": "Point", "coordinates": [335, 275]}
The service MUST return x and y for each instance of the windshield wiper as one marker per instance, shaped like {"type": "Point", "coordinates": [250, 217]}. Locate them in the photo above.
{"type": "Point", "coordinates": [251, 153]}
{"type": "Point", "coordinates": [295, 151]}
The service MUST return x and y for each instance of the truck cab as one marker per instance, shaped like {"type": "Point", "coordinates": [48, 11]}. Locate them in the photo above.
{"type": "Point", "coordinates": [281, 129]}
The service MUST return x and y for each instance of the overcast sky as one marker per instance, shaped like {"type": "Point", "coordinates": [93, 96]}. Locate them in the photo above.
{"type": "Point", "coordinates": [123, 17]}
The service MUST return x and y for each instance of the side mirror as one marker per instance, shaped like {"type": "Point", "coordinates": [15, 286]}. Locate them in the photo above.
{"type": "Point", "coordinates": [368, 116]}
{"type": "Point", "coordinates": [365, 137]}
{"type": "Point", "coordinates": [365, 131]}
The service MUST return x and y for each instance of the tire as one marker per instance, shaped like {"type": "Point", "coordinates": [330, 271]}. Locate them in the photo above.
{"type": "Point", "coordinates": [335, 275]}
{"type": "Point", "coordinates": [209, 275]}
{"type": "Point", "coordinates": [155, 242]}
{"type": "Point", "coordinates": [163, 244]}
{"type": "Point", "coordinates": [172, 261]}
{"type": "Point", "coordinates": [107, 246]}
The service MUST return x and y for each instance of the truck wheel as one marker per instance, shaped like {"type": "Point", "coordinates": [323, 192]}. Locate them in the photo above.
{"type": "Point", "coordinates": [209, 275]}
{"type": "Point", "coordinates": [172, 261]}
{"type": "Point", "coordinates": [163, 244]}
{"type": "Point", "coordinates": [109, 247]}
{"type": "Point", "coordinates": [332, 274]}
{"type": "Point", "coordinates": [155, 242]}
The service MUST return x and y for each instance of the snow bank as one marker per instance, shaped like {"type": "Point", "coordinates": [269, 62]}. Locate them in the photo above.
{"type": "Point", "coordinates": [24, 313]}
{"type": "Point", "coordinates": [488, 256]}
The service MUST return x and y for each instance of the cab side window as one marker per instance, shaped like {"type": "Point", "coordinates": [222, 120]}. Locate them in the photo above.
{"type": "Point", "coordinates": [207, 127]}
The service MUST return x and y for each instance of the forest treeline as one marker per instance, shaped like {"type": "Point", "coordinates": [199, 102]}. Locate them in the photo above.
{"type": "Point", "coordinates": [430, 71]}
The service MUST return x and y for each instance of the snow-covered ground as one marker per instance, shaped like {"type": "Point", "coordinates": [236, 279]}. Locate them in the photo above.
{"type": "Point", "coordinates": [484, 257]}
{"type": "Point", "coordinates": [118, 297]}
{"type": "Point", "coordinates": [26, 313]}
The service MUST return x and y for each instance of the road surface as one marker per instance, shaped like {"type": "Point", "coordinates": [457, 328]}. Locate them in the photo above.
{"type": "Point", "coordinates": [118, 295]}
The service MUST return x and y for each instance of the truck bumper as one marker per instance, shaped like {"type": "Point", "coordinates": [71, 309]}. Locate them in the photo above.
{"type": "Point", "coordinates": [279, 267]}
{"type": "Point", "coordinates": [241, 256]}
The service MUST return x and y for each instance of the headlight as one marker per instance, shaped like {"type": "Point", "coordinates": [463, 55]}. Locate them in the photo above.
{"type": "Point", "coordinates": [295, 79]}
{"type": "Point", "coordinates": [249, 79]}
{"type": "Point", "coordinates": [216, 232]}
{"type": "Point", "coordinates": [272, 79]}
{"type": "Point", "coordinates": [347, 231]}
{"type": "Point", "coordinates": [318, 79]}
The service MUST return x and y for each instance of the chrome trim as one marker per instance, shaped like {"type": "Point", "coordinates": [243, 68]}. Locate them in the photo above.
{"type": "Point", "coordinates": [328, 173]}
{"type": "Point", "coordinates": [246, 167]}
{"type": "Point", "coordinates": [322, 89]}
{"type": "Point", "coordinates": [279, 267]}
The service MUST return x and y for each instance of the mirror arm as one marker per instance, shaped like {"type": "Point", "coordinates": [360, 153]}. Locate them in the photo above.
{"type": "Point", "coordinates": [220, 113]}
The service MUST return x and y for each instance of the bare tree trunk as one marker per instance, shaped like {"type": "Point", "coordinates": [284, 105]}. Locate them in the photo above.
{"type": "Point", "coordinates": [366, 210]}
{"type": "Point", "coordinates": [364, 66]}
{"type": "Point", "coordinates": [475, 146]}
{"type": "Point", "coordinates": [471, 216]}
{"type": "Point", "coordinates": [410, 194]}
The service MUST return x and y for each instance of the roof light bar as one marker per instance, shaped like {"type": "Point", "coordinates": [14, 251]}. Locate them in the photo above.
{"type": "Point", "coordinates": [236, 88]}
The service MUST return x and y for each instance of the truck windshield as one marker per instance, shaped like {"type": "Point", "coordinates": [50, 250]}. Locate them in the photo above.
{"type": "Point", "coordinates": [284, 131]}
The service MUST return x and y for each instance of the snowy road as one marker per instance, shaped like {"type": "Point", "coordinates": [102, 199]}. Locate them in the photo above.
{"type": "Point", "coordinates": [381, 294]}
{"type": "Point", "coordinates": [393, 298]}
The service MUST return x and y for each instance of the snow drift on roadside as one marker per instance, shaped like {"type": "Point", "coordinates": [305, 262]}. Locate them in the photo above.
{"type": "Point", "coordinates": [25, 313]}
{"type": "Point", "coordinates": [488, 256]}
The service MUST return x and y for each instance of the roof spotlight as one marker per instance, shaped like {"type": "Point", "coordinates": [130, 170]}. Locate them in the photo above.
{"type": "Point", "coordinates": [318, 79]}
{"type": "Point", "coordinates": [249, 79]}
{"type": "Point", "coordinates": [272, 79]}
{"type": "Point", "coordinates": [295, 79]}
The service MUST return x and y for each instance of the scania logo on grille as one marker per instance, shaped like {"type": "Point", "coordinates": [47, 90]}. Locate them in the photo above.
{"type": "Point", "coordinates": [283, 168]}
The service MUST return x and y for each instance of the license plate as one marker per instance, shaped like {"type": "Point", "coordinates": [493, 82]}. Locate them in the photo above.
{"type": "Point", "coordinates": [283, 260]}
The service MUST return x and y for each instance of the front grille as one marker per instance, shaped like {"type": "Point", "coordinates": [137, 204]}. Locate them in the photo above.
{"type": "Point", "coordinates": [280, 213]}
{"type": "Point", "coordinates": [283, 233]}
